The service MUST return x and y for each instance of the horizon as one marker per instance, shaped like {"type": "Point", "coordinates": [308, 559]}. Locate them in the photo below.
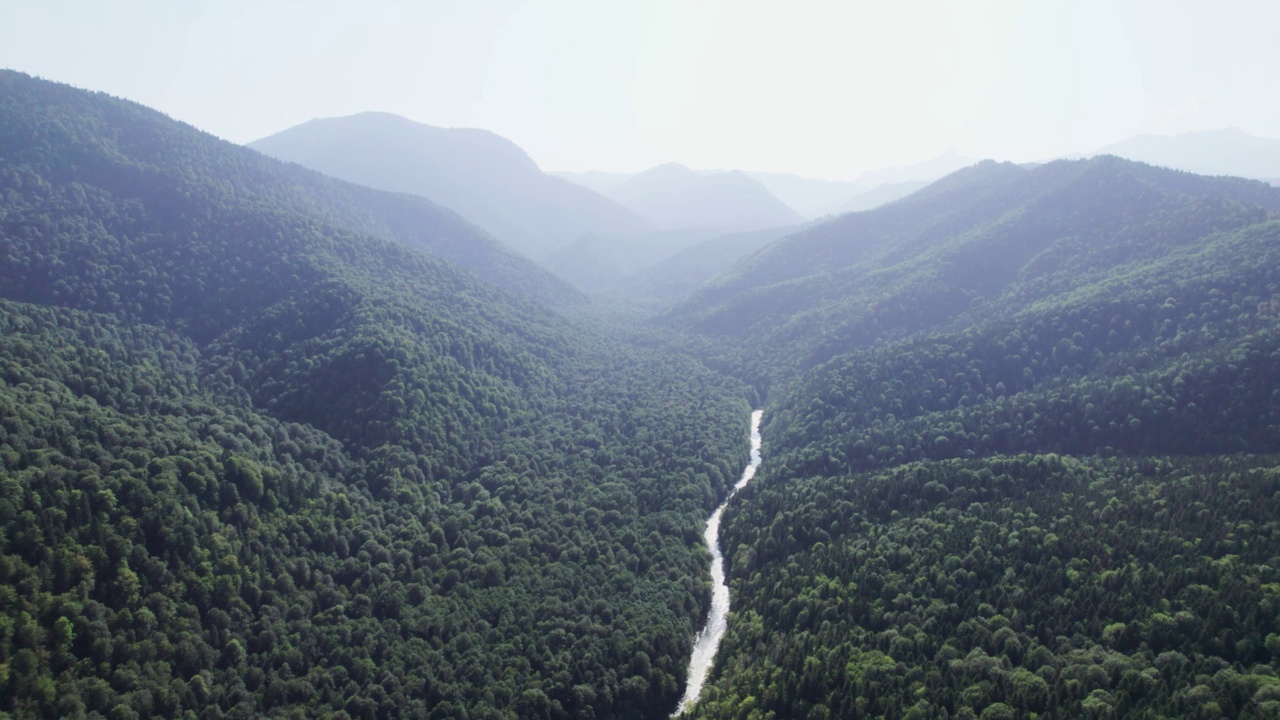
{"type": "Point", "coordinates": [824, 90]}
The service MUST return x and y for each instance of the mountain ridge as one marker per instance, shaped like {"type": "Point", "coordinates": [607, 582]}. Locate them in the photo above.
{"type": "Point", "coordinates": [484, 177]}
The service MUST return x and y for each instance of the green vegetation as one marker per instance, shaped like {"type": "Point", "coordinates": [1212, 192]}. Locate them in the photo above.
{"type": "Point", "coordinates": [1028, 586]}
{"type": "Point", "coordinates": [978, 246]}
{"type": "Point", "coordinates": [273, 445]}
{"type": "Point", "coordinates": [260, 460]}
{"type": "Point", "coordinates": [1003, 473]}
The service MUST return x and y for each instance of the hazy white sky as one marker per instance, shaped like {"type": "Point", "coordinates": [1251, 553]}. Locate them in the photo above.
{"type": "Point", "coordinates": [824, 89]}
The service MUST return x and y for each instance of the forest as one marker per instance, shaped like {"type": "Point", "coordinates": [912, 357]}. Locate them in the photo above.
{"type": "Point", "coordinates": [265, 461]}
{"type": "Point", "coordinates": [1047, 492]}
{"type": "Point", "coordinates": [277, 445]}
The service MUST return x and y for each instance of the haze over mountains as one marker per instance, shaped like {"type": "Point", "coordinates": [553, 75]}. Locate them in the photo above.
{"type": "Point", "coordinates": [1213, 152]}
{"type": "Point", "coordinates": [274, 444]}
{"type": "Point", "coordinates": [810, 197]}
{"type": "Point", "coordinates": [482, 176]}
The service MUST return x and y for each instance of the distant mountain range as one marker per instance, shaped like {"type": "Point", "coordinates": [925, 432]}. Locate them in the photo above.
{"type": "Point", "coordinates": [1213, 152]}
{"type": "Point", "coordinates": [482, 176]}
{"type": "Point", "coordinates": [810, 198]}
{"type": "Point", "coordinates": [673, 197]}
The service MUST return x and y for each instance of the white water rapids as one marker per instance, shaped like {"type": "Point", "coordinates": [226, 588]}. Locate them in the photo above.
{"type": "Point", "coordinates": [708, 639]}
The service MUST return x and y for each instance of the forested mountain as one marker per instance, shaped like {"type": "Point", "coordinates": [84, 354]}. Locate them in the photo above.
{"type": "Point", "coordinates": [1025, 460]}
{"type": "Point", "coordinates": [485, 178]}
{"type": "Point", "coordinates": [674, 277]}
{"type": "Point", "coordinates": [596, 262]}
{"type": "Point", "coordinates": [1020, 587]}
{"type": "Point", "coordinates": [261, 455]}
{"type": "Point", "coordinates": [977, 245]}
{"type": "Point", "coordinates": [672, 196]}
{"type": "Point", "coordinates": [276, 445]}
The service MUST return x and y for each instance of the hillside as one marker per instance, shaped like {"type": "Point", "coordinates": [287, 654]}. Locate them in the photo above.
{"type": "Point", "coordinates": [976, 245]}
{"type": "Point", "coordinates": [595, 263]}
{"type": "Point", "coordinates": [672, 196]}
{"type": "Point", "coordinates": [260, 459]}
{"type": "Point", "coordinates": [485, 178]}
{"type": "Point", "coordinates": [674, 277]}
{"type": "Point", "coordinates": [879, 195]}
{"type": "Point", "coordinates": [1027, 460]}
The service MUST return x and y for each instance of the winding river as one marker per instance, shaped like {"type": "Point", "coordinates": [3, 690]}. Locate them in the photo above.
{"type": "Point", "coordinates": [708, 639]}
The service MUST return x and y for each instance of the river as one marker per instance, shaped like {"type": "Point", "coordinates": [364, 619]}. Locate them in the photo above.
{"type": "Point", "coordinates": [708, 639]}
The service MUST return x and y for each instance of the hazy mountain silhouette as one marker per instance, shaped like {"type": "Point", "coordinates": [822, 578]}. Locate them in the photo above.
{"type": "Point", "coordinates": [810, 197]}
{"type": "Point", "coordinates": [672, 196]}
{"type": "Point", "coordinates": [597, 180]}
{"type": "Point", "coordinates": [815, 198]}
{"type": "Point", "coordinates": [881, 194]}
{"type": "Point", "coordinates": [482, 176]}
{"type": "Point", "coordinates": [1211, 152]}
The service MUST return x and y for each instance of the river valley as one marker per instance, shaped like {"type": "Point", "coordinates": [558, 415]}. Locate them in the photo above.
{"type": "Point", "coordinates": [708, 639]}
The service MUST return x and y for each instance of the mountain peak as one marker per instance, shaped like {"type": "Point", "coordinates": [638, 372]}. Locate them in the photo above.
{"type": "Point", "coordinates": [484, 177]}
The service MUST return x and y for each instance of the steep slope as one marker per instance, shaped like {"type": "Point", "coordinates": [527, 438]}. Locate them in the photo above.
{"type": "Point", "coordinates": [485, 178]}
{"type": "Point", "coordinates": [594, 263]}
{"type": "Point", "coordinates": [981, 242]}
{"type": "Point", "coordinates": [1027, 461]}
{"type": "Point", "coordinates": [1214, 152]}
{"type": "Point", "coordinates": [257, 460]}
{"type": "Point", "coordinates": [672, 196]}
{"type": "Point", "coordinates": [674, 277]}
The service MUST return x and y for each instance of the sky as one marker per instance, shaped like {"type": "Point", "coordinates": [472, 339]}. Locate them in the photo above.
{"type": "Point", "coordinates": [820, 89]}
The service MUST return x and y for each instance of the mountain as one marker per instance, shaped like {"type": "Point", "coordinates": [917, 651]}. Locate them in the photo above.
{"type": "Point", "coordinates": [1020, 451]}
{"type": "Point", "coordinates": [673, 197]}
{"type": "Point", "coordinates": [675, 276]}
{"type": "Point", "coordinates": [263, 454]}
{"type": "Point", "coordinates": [277, 445]}
{"type": "Point", "coordinates": [1212, 152]}
{"type": "Point", "coordinates": [987, 238]}
{"type": "Point", "coordinates": [484, 177]}
{"type": "Point", "coordinates": [596, 263]}
{"type": "Point", "coordinates": [880, 194]}
{"type": "Point", "coordinates": [601, 182]}
{"type": "Point", "coordinates": [810, 197]}
{"type": "Point", "coordinates": [929, 170]}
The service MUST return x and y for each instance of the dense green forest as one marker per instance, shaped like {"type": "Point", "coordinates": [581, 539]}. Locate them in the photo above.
{"type": "Point", "coordinates": [264, 456]}
{"type": "Point", "coordinates": [1027, 467]}
{"type": "Point", "coordinates": [1026, 586]}
{"type": "Point", "coordinates": [980, 245]}
{"type": "Point", "coordinates": [275, 445]}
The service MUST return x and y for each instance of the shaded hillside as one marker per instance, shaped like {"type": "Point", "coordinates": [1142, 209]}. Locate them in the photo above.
{"type": "Point", "coordinates": [594, 262]}
{"type": "Point", "coordinates": [1034, 471]}
{"type": "Point", "coordinates": [978, 244]}
{"type": "Point", "coordinates": [485, 178]}
{"type": "Point", "coordinates": [672, 196]}
{"type": "Point", "coordinates": [674, 277]}
{"type": "Point", "coordinates": [256, 460]}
